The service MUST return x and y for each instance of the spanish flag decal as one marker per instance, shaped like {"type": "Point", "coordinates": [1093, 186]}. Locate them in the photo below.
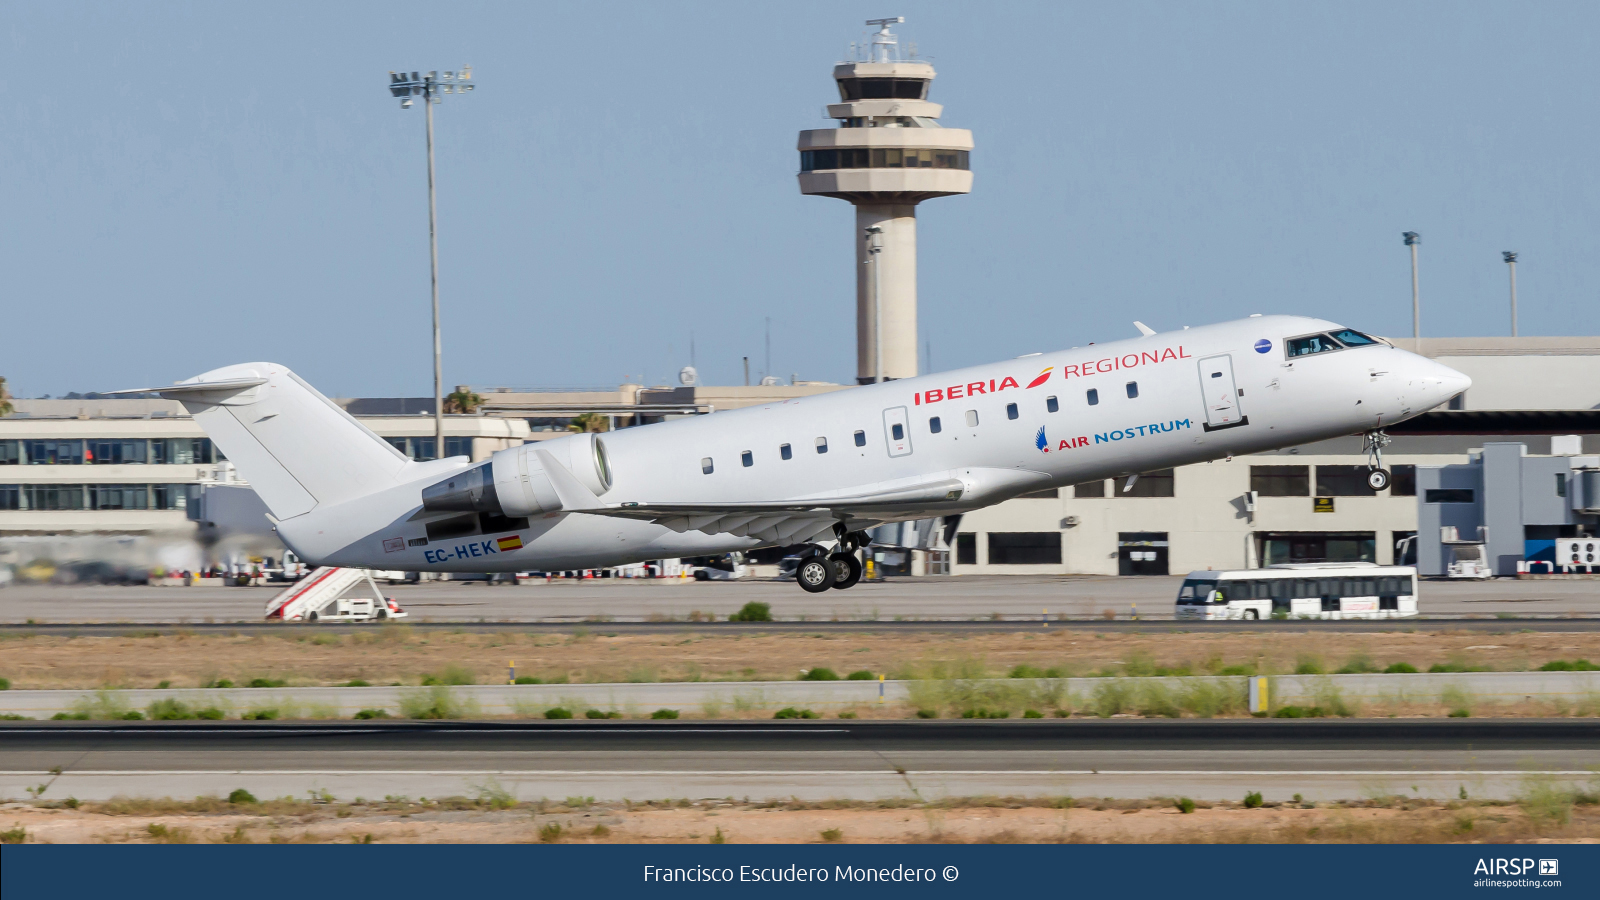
{"type": "Point", "coordinates": [1043, 377]}
{"type": "Point", "coordinates": [507, 544]}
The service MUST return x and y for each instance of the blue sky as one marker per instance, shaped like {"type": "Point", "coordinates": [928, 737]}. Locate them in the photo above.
{"type": "Point", "coordinates": [189, 185]}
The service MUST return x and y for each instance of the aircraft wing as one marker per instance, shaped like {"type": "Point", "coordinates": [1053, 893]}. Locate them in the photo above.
{"type": "Point", "coordinates": [782, 521]}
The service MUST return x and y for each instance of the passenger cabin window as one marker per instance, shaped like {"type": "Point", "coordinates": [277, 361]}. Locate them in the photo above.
{"type": "Point", "coordinates": [785, 452]}
{"type": "Point", "coordinates": [1094, 397]}
{"type": "Point", "coordinates": [899, 431]}
{"type": "Point", "coordinates": [1133, 390]}
{"type": "Point", "coordinates": [861, 439]}
{"type": "Point", "coordinates": [1011, 410]}
{"type": "Point", "coordinates": [1051, 404]}
{"type": "Point", "coordinates": [705, 465]}
{"type": "Point", "coordinates": [972, 418]}
{"type": "Point", "coordinates": [747, 458]}
{"type": "Point", "coordinates": [822, 445]}
{"type": "Point", "coordinates": [1314, 343]}
{"type": "Point", "coordinates": [933, 425]}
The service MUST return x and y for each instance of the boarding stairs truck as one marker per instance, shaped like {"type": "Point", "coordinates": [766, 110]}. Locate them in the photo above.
{"type": "Point", "coordinates": [322, 596]}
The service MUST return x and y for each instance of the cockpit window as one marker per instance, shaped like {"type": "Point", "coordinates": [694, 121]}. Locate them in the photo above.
{"type": "Point", "coordinates": [1311, 343]}
{"type": "Point", "coordinates": [1351, 338]}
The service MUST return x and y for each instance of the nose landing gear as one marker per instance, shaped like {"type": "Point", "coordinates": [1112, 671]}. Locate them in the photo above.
{"type": "Point", "coordinates": [1377, 475]}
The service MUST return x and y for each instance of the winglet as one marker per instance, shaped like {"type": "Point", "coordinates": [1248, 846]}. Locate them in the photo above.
{"type": "Point", "coordinates": [1144, 329]}
{"type": "Point", "coordinates": [572, 493]}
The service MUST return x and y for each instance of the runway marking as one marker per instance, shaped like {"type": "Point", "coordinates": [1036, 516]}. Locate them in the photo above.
{"type": "Point", "coordinates": [1410, 773]}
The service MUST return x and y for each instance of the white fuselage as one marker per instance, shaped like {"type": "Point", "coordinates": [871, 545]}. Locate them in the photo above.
{"type": "Point", "coordinates": [1026, 424]}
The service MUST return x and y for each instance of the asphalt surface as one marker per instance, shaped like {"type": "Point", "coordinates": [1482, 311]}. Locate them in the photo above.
{"type": "Point", "coordinates": [1008, 626]}
{"type": "Point", "coordinates": [1210, 759]}
{"type": "Point", "coordinates": [967, 597]}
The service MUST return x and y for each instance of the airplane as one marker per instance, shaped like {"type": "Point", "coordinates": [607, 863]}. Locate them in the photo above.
{"type": "Point", "coordinates": [814, 471]}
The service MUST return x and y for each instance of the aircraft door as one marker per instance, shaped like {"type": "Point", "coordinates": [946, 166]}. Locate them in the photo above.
{"type": "Point", "coordinates": [897, 431]}
{"type": "Point", "coordinates": [1222, 396]}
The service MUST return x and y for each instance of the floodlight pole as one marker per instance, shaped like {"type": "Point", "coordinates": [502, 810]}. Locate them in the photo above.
{"type": "Point", "coordinates": [428, 87]}
{"type": "Point", "coordinates": [1412, 240]}
{"type": "Point", "coordinates": [433, 274]}
{"type": "Point", "coordinates": [874, 251]}
{"type": "Point", "coordinates": [1510, 256]}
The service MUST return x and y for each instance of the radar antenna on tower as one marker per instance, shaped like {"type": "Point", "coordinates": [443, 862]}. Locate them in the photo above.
{"type": "Point", "coordinates": [883, 43]}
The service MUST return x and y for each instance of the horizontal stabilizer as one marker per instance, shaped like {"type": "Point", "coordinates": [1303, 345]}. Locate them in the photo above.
{"type": "Point", "coordinates": [190, 388]}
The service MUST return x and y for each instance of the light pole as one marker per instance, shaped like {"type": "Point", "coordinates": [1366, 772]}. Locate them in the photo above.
{"type": "Point", "coordinates": [1510, 256]}
{"type": "Point", "coordinates": [1412, 240]}
{"type": "Point", "coordinates": [874, 248]}
{"type": "Point", "coordinates": [429, 87]}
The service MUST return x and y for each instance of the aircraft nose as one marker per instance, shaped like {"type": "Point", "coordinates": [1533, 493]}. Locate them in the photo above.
{"type": "Point", "coordinates": [1438, 382]}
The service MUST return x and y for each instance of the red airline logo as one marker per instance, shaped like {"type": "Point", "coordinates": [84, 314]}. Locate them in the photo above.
{"type": "Point", "coordinates": [1080, 370]}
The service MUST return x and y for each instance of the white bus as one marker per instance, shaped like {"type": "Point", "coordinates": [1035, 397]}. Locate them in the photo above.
{"type": "Point", "coordinates": [1353, 590]}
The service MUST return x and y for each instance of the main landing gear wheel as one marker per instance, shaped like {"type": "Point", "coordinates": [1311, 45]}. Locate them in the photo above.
{"type": "Point", "coordinates": [815, 574]}
{"type": "Point", "coordinates": [1378, 479]}
{"type": "Point", "coordinates": [846, 570]}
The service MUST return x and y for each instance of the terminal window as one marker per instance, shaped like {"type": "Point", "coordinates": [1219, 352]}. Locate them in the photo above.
{"type": "Point", "coordinates": [1159, 483]}
{"type": "Point", "coordinates": [1024, 548]}
{"type": "Point", "coordinates": [1090, 489]}
{"type": "Point", "coordinates": [966, 549]}
{"type": "Point", "coordinates": [1343, 481]}
{"type": "Point", "coordinates": [1281, 481]}
{"type": "Point", "coordinates": [1448, 495]}
{"type": "Point", "coordinates": [1403, 481]}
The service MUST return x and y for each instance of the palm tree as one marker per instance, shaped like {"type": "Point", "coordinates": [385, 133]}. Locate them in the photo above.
{"type": "Point", "coordinates": [589, 421]}
{"type": "Point", "coordinates": [462, 402]}
{"type": "Point", "coordinates": [6, 408]}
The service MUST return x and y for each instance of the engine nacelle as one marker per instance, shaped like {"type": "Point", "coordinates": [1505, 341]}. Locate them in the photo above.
{"type": "Point", "coordinates": [513, 483]}
{"type": "Point", "coordinates": [524, 489]}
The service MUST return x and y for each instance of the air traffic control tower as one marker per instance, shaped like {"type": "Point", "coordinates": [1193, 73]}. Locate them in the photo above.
{"type": "Point", "coordinates": [887, 154]}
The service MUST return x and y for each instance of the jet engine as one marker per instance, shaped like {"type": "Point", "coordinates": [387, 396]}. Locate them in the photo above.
{"type": "Point", "coordinates": [514, 484]}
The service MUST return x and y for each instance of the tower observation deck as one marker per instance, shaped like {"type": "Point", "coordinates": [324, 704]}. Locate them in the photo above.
{"type": "Point", "coordinates": [887, 154]}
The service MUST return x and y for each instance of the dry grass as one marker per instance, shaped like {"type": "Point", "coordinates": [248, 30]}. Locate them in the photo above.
{"type": "Point", "coordinates": [1545, 813]}
{"type": "Point", "coordinates": [397, 654]}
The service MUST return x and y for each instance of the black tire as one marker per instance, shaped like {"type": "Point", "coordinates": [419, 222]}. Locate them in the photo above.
{"type": "Point", "coordinates": [846, 570]}
{"type": "Point", "coordinates": [1252, 614]}
{"type": "Point", "coordinates": [815, 574]}
{"type": "Point", "coordinates": [312, 617]}
{"type": "Point", "coordinates": [1378, 479]}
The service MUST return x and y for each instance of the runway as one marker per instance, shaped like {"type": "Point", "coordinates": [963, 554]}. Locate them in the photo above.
{"type": "Point", "coordinates": [657, 601]}
{"type": "Point", "coordinates": [828, 759]}
{"type": "Point", "coordinates": [926, 626]}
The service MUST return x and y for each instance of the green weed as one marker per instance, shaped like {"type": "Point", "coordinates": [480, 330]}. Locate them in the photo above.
{"type": "Point", "coordinates": [753, 612]}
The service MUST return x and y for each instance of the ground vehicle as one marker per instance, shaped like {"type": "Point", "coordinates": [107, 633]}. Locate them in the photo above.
{"type": "Point", "coordinates": [322, 596]}
{"type": "Point", "coordinates": [1353, 590]}
{"type": "Point", "coordinates": [727, 567]}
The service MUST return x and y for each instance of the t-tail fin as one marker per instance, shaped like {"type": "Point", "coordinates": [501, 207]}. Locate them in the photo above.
{"type": "Point", "coordinates": [297, 448]}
